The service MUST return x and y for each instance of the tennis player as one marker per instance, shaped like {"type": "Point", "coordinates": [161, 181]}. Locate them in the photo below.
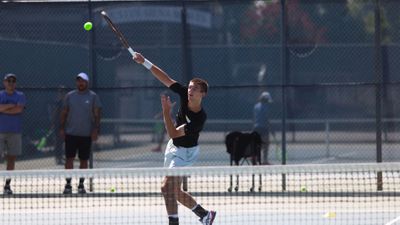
{"type": "Point", "coordinates": [182, 149]}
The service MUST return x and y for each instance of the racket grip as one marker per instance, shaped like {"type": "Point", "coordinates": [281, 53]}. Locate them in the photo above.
{"type": "Point", "coordinates": [133, 53]}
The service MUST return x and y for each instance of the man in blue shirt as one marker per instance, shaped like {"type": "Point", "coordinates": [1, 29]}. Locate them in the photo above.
{"type": "Point", "coordinates": [261, 123]}
{"type": "Point", "coordinates": [12, 104]}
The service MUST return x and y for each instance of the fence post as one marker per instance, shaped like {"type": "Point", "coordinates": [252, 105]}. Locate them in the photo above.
{"type": "Point", "coordinates": [284, 61]}
{"type": "Point", "coordinates": [186, 60]}
{"type": "Point", "coordinates": [186, 48]}
{"type": "Point", "coordinates": [327, 138]}
{"type": "Point", "coordinates": [92, 72]}
{"type": "Point", "coordinates": [378, 88]}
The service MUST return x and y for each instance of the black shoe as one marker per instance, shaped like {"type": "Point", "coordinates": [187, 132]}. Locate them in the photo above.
{"type": "Point", "coordinates": [67, 189]}
{"type": "Point", "coordinates": [173, 221]}
{"type": "Point", "coordinates": [81, 189]}
{"type": "Point", "coordinates": [7, 190]}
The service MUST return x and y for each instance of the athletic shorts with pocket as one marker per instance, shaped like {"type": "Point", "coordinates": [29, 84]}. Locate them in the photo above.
{"type": "Point", "coordinates": [11, 144]}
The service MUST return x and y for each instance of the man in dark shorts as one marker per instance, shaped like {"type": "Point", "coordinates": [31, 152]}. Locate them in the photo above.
{"type": "Point", "coordinates": [182, 149]}
{"type": "Point", "coordinates": [80, 125]}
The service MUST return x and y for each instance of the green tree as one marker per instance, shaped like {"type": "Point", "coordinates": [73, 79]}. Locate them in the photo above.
{"type": "Point", "coordinates": [363, 10]}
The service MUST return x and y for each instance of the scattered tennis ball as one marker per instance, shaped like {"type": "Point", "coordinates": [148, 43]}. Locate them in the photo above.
{"type": "Point", "coordinates": [88, 26]}
{"type": "Point", "coordinates": [330, 215]}
{"type": "Point", "coordinates": [303, 189]}
{"type": "Point", "coordinates": [112, 189]}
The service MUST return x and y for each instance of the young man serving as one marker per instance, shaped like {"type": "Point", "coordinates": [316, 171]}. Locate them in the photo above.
{"type": "Point", "coordinates": [182, 149]}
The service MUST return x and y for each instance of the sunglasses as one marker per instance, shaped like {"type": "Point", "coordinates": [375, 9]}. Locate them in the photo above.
{"type": "Point", "coordinates": [11, 81]}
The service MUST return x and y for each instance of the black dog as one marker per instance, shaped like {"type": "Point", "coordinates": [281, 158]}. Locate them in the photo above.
{"type": "Point", "coordinates": [242, 146]}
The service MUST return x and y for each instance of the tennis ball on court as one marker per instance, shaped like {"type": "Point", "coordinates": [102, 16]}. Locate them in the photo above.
{"type": "Point", "coordinates": [88, 26]}
{"type": "Point", "coordinates": [330, 215]}
{"type": "Point", "coordinates": [112, 189]}
{"type": "Point", "coordinates": [303, 189]}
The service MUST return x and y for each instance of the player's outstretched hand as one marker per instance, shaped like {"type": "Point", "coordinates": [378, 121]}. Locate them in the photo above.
{"type": "Point", "coordinates": [166, 104]}
{"type": "Point", "coordinates": [138, 58]}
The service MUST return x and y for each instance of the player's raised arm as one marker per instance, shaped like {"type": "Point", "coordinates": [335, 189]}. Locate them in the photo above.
{"type": "Point", "coordinates": [155, 70]}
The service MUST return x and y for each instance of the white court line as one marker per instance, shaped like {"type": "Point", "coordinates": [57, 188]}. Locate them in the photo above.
{"type": "Point", "coordinates": [393, 221]}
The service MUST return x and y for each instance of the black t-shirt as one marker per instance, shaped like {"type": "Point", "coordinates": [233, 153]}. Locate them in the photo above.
{"type": "Point", "coordinates": [194, 121]}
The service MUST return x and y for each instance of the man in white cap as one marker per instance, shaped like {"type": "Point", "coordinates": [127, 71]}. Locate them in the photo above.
{"type": "Point", "coordinates": [80, 125]}
{"type": "Point", "coordinates": [12, 104]}
{"type": "Point", "coordinates": [261, 122]}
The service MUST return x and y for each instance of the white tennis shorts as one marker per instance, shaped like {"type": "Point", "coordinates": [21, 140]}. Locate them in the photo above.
{"type": "Point", "coordinates": [180, 156]}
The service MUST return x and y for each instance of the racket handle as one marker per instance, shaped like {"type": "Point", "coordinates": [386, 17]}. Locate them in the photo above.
{"type": "Point", "coordinates": [133, 53]}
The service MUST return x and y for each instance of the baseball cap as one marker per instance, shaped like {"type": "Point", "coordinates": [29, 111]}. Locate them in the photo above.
{"type": "Point", "coordinates": [265, 96]}
{"type": "Point", "coordinates": [83, 76]}
{"type": "Point", "coordinates": [10, 75]}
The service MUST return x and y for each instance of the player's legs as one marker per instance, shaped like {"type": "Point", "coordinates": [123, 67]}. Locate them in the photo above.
{"type": "Point", "coordinates": [84, 148]}
{"type": "Point", "coordinates": [11, 161]}
{"type": "Point", "coordinates": [264, 134]}
{"type": "Point", "coordinates": [12, 144]}
{"type": "Point", "coordinates": [172, 192]}
{"type": "Point", "coordinates": [172, 186]}
{"type": "Point", "coordinates": [71, 146]}
{"type": "Point", "coordinates": [265, 148]}
{"type": "Point", "coordinates": [83, 164]}
{"type": "Point", "coordinates": [182, 196]}
{"type": "Point", "coordinates": [168, 190]}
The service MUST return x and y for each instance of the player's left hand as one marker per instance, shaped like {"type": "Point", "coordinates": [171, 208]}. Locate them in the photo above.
{"type": "Point", "coordinates": [166, 104]}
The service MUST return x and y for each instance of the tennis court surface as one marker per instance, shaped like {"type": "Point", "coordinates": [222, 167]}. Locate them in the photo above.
{"type": "Point", "coordinates": [365, 194]}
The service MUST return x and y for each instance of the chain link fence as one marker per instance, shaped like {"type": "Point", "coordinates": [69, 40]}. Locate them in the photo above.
{"type": "Point", "coordinates": [330, 67]}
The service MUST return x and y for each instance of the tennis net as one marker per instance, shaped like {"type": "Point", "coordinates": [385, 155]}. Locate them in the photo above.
{"type": "Point", "coordinates": [367, 194]}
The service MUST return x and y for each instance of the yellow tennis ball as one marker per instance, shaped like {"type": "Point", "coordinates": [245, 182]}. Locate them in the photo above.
{"type": "Point", "coordinates": [88, 26]}
{"type": "Point", "coordinates": [112, 189]}
{"type": "Point", "coordinates": [303, 189]}
{"type": "Point", "coordinates": [330, 215]}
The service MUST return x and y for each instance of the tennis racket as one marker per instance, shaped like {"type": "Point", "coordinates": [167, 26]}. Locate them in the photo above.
{"type": "Point", "coordinates": [118, 33]}
{"type": "Point", "coordinates": [43, 141]}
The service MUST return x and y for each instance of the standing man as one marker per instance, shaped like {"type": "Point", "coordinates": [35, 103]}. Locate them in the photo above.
{"type": "Point", "coordinates": [261, 122]}
{"type": "Point", "coordinates": [12, 104]}
{"type": "Point", "coordinates": [80, 125]}
{"type": "Point", "coordinates": [182, 149]}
